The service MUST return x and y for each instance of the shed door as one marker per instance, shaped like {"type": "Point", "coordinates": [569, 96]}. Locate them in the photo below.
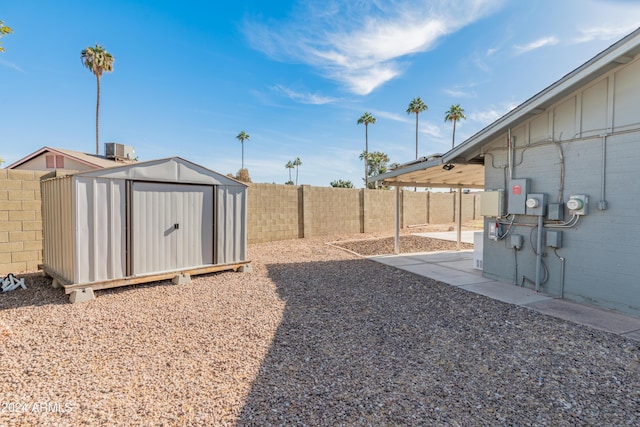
{"type": "Point", "coordinates": [171, 226]}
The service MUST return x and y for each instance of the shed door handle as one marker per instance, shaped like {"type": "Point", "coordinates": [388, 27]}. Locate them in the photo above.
{"type": "Point", "coordinates": [176, 226]}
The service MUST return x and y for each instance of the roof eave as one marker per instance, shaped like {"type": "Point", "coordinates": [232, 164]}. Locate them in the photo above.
{"type": "Point", "coordinates": [617, 54]}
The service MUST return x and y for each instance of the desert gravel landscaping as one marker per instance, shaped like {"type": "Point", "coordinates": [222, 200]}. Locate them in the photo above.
{"type": "Point", "coordinates": [314, 336]}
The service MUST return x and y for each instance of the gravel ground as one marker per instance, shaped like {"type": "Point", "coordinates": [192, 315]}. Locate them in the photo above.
{"type": "Point", "coordinates": [313, 336]}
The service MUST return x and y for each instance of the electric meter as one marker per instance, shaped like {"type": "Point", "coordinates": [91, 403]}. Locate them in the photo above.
{"type": "Point", "coordinates": [533, 203]}
{"type": "Point", "coordinates": [578, 204]}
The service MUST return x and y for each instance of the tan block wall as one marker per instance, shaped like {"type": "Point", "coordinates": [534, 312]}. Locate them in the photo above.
{"type": "Point", "coordinates": [329, 211]}
{"type": "Point", "coordinates": [415, 208]}
{"type": "Point", "coordinates": [273, 212]}
{"type": "Point", "coordinates": [379, 210]}
{"type": "Point", "coordinates": [20, 221]}
{"type": "Point", "coordinates": [441, 208]}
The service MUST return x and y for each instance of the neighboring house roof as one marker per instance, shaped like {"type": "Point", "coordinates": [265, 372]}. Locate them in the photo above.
{"type": "Point", "coordinates": [90, 160]}
{"type": "Point", "coordinates": [469, 153]}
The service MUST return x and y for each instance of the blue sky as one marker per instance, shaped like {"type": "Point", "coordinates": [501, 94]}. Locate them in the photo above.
{"type": "Point", "coordinates": [295, 75]}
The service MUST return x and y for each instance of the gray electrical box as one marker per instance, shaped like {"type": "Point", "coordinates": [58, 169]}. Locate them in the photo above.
{"type": "Point", "coordinates": [554, 238]}
{"type": "Point", "coordinates": [516, 241]}
{"type": "Point", "coordinates": [555, 211]}
{"type": "Point", "coordinates": [492, 203]}
{"type": "Point", "coordinates": [517, 196]}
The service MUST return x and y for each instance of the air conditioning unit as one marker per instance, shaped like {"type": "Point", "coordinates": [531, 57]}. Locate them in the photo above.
{"type": "Point", "coordinates": [113, 150]}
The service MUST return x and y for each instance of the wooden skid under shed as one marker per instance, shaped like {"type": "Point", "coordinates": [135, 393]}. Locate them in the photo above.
{"type": "Point", "coordinates": [135, 280]}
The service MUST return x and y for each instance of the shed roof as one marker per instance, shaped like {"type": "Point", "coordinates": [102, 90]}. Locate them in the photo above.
{"type": "Point", "coordinates": [171, 169]}
{"type": "Point", "coordinates": [467, 158]}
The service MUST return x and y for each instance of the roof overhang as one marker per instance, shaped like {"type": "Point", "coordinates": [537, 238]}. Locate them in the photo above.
{"type": "Point", "coordinates": [463, 166]}
{"type": "Point", "coordinates": [620, 53]}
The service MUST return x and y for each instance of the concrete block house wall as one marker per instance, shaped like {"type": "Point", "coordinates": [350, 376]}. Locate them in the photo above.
{"type": "Point", "coordinates": [587, 143]}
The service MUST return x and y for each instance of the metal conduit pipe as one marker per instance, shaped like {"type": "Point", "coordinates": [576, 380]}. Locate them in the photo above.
{"type": "Point", "coordinates": [510, 154]}
{"type": "Point", "coordinates": [602, 205]}
{"type": "Point", "coordinates": [539, 253]}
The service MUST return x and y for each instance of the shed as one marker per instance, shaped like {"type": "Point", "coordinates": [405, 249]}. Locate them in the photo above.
{"type": "Point", "coordinates": [142, 222]}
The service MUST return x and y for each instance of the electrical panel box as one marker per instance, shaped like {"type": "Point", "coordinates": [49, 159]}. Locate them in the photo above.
{"type": "Point", "coordinates": [492, 203]}
{"type": "Point", "coordinates": [554, 238]}
{"type": "Point", "coordinates": [578, 204]}
{"type": "Point", "coordinates": [536, 204]}
{"type": "Point", "coordinates": [495, 230]}
{"type": "Point", "coordinates": [555, 212]}
{"type": "Point", "coordinates": [518, 190]}
{"type": "Point", "coordinates": [516, 241]}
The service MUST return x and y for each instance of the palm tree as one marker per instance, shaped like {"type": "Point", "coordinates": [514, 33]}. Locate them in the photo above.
{"type": "Point", "coordinates": [416, 106]}
{"type": "Point", "coordinates": [290, 166]}
{"type": "Point", "coordinates": [97, 60]}
{"type": "Point", "coordinates": [242, 136]}
{"type": "Point", "coordinates": [366, 119]}
{"type": "Point", "coordinates": [297, 162]}
{"type": "Point", "coordinates": [4, 30]}
{"type": "Point", "coordinates": [455, 113]}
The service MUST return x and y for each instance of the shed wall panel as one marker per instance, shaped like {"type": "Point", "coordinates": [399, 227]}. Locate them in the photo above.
{"type": "Point", "coordinates": [99, 212]}
{"type": "Point", "coordinates": [58, 229]}
{"type": "Point", "coordinates": [231, 224]}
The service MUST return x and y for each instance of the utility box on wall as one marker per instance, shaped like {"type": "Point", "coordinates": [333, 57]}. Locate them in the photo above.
{"type": "Point", "coordinates": [492, 203]}
{"type": "Point", "coordinates": [517, 198]}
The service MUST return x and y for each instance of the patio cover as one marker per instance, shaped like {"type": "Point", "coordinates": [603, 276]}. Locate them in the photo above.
{"type": "Point", "coordinates": [433, 172]}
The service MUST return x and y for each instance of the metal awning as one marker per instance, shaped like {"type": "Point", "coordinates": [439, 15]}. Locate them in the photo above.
{"type": "Point", "coordinates": [433, 172]}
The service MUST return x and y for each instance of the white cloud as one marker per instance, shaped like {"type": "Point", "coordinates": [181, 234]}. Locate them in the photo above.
{"type": "Point", "coordinates": [537, 44]}
{"type": "Point", "coordinates": [603, 33]}
{"type": "Point", "coordinates": [458, 93]}
{"type": "Point", "coordinates": [304, 98]}
{"type": "Point", "coordinates": [492, 114]}
{"type": "Point", "coordinates": [10, 65]}
{"type": "Point", "coordinates": [361, 44]}
{"type": "Point", "coordinates": [403, 118]}
{"type": "Point", "coordinates": [429, 129]}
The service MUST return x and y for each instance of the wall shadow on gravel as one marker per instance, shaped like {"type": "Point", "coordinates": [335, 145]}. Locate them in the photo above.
{"type": "Point", "coordinates": [361, 343]}
{"type": "Point", "coordinates": [354, 346]}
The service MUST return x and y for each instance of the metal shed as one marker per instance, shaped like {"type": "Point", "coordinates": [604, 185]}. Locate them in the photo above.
{"type": "Point", "coordinates": [140, 223]}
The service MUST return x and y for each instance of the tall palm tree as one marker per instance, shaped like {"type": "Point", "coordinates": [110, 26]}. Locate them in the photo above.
{"type": "Point", "coordinates": [97, 60]}
{"type": "Point", "coordinates": [455, 113]}
{"type": "Point", "coordinates": [297, 162]}
{"type": "Point", "coordinates": [416, 106]}
{"type": "Point", "coordinates": [4, 30]}
{"type": "Point", "coordinates": [366, 119]}
{"type": "Point", "coordinates": [242, 137]}
{"type": "Point", "coordinates": [289, 166]}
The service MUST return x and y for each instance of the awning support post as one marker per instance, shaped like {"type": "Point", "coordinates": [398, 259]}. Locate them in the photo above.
{"type": "Point", "coordinates": [396, 247]}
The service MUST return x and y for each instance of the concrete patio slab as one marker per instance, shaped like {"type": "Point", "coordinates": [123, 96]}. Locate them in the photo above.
{"type": "Point", "coordinates": [591, 316]}
{"type": "Point", "coordinates": [507, 293]}
{"type": "Point", "coordinates": [456, 268]}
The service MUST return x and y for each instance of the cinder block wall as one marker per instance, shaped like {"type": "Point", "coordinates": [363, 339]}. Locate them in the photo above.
{"type": "Point", "coordinates": [441, 208]}
{"type": "Point", "coordinates": [274, 212]}
{"type": "Point", "coordinates": [20, 221]}
{"type": "Point", "coordinates": [329, 210]}
{"type": "Point", "coordinates": [415, 208]}
{"type": "Point", "coordinates": [379, 210]}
